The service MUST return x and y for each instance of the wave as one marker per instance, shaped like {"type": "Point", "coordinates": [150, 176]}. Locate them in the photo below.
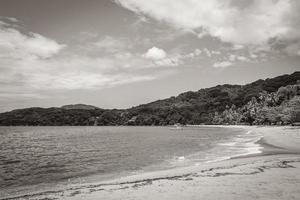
{"type": "Point", "coordinates": [243, 144]}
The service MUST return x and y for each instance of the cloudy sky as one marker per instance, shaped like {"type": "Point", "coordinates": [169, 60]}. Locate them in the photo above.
{"type": "Point", "coordinates": [121, 53]}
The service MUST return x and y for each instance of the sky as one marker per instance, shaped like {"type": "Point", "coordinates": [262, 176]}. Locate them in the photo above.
{"type": "Point", "coordinates": [122, 53]}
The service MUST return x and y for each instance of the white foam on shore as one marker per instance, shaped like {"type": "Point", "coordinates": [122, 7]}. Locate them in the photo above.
{"type": "Point", "coordinates": [244, 144]}
{"type": "Point", "coordinates": [241, 145]}
{"type": "Point", "coordinates": [181, 158]}
{"type": "Point", "coordinates": [219, 159]}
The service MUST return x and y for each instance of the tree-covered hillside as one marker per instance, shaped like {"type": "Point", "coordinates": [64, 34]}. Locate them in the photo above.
{"type": "Point", "coordinates": [281, 107]}
{"type": "Point", "coordinates": [200, 107]}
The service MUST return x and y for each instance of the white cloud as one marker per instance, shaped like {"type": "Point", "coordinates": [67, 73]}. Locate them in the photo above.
{"type": "Point", "coordinates": [241, 23]}
{"type": "Point", "coordinates": [253, 55]}
{"type": "Point", "coordinates": [111, 44]}
{"type": "Point", "coordinates": [242, 58]}
{"type": "Point", "coordinates": [190, 55]}
{"type": "Point", "coordinates": [207, 52]}
{"type": "Point", "coordinates": [202, 34]}
{"type": "Point", "coordinates": [161, 58]}
{"type": "Point", "coordinates": [12, 19]}
{"type": "Point", "coordinates": [9, 19]}
{"type": "Point", "coordinates": [70, 72]}
{"type": "Point", "coordinates": [13, 95]}
{"type": "Point", "coordinates": [31, 63]}
{"type": "Point", "coordinates": [216, 52]}
{"type": "Point", "coordinates": [237, 47]}
{"type": "Point", "coordinates": [232, 57]}
{"type": "Point", "coordinates": [172, 61]}
{"type": "Point", "coordinates": [155, 53]}
{"type": "Point", "coordinates": [222, 64]}
{"type": "Point", "coordinates": [293, 49]}
{"type": "Point", "coordinates": [197, 52]}
{"type": "Point", "coordinates": [85, 80]}
{"type": "Point", "coordinates": [20, 46]}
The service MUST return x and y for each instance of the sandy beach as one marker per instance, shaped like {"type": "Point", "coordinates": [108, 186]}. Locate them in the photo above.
{"type": "Point", "coordinates": [272, 174]}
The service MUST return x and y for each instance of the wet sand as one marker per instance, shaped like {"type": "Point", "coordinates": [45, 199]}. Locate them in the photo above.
{"type": "Point", "coordinates": [273, 174]}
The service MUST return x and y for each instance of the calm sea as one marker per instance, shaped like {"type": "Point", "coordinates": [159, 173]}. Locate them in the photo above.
{"type": "Point", "coordinates": [39, 157]}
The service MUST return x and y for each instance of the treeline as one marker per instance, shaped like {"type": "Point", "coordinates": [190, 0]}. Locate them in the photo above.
{"type": "Point", "coordinates": [276, 108]}
{"type": "Point", "coordinates": [260, 102]}
{"type": "Point", "coordinates": [49, 117]}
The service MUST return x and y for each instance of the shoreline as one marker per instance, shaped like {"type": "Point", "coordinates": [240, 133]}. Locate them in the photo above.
{"type": "Point", "coordinates": [278, 154]}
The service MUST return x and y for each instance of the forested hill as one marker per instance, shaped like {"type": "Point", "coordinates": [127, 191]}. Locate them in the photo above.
{"type": "Point", "coordinates": [206, 106]}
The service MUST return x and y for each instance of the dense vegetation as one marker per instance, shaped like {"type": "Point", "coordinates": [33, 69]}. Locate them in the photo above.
{"type": "Point", "coordinates": [269, 101]}
{"type": "Point", "coordinates": [281, 108]}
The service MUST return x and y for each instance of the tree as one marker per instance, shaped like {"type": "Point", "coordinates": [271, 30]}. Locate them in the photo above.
{"type": "Point", "coordinates": [294, 109]}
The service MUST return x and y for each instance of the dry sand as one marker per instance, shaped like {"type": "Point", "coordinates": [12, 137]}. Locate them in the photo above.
{"type": "Point", "coordinates": [274, 174]}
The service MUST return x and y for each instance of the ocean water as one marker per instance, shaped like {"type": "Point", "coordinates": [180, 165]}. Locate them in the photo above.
{"type": "Point", "coordinates": [32, 158]}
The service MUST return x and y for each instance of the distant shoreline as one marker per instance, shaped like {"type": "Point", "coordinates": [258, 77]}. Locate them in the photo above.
{"type": "Point", "coordinates": [263, 102]}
